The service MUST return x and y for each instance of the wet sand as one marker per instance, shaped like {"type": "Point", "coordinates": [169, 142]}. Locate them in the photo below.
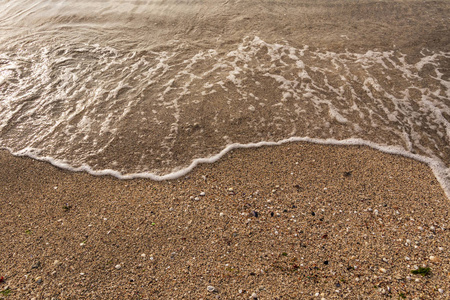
{"type": "Point", "coordinates": [296, 221]}
{"type": "Point", "coordinates": [148, 86]}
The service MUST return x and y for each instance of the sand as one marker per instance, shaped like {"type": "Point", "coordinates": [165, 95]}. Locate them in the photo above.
{"type": "Point", "coordinates": [296, 221]}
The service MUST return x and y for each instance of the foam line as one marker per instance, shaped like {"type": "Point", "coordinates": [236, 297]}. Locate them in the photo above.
{"type": "Point", "coordinates": [79, 102]}
{"type": "Point", "coordinates": [439, 169]}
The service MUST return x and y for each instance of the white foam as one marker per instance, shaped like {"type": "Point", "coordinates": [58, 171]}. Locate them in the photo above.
{"type": "Point", "coordinates": [335, 115]}
{"type": "Point", "coordinates": [439, 169]}
{"type": "Point", "coordinates": [328, 96]}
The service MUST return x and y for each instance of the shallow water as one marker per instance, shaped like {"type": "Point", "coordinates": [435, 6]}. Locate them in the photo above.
{"type": "Point", "coordinates": [147, 88]}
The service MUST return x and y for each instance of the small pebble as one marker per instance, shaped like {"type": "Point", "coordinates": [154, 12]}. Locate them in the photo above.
{"type": "Point", "coordinates": [383, 270]}
{"type": "Point", "coordinates": [221, 214]}
{"type": "Point", "coordinates": [441, 291]}
{"type": "Point", "coordinates": [38, 279]}
{"type": "Point", "coordinates": [118, 267]}
{"type": "Point", "coordinates": [254, 296]}
{"type": "Point", "coordinates": [211, 289]}
{"type": "Point", "coordinates": [398, 277]}
{"type": "Point", "coordinates": [202, 194]}
{"type": "Point", "coordinates": [434, 259]}
{"type": "Point", "coordinates": [143, 255]}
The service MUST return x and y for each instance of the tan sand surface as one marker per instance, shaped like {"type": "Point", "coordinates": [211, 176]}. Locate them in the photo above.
{"type": "Point", "coordinates": [297, 221]}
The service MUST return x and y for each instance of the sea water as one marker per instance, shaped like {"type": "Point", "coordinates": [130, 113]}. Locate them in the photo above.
{"type": "Point", "coordinates": [152, 88]}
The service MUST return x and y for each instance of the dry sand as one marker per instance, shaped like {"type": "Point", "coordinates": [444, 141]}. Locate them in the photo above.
{"type": "Point", "coordinates": [297, 221]}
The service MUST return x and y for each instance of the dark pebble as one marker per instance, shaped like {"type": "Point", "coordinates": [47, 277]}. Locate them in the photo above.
{"type": "Point", "coordinates": [313, 213]}
{"type": "Point", "coordinates": [348, 174]}
{"type": "Point", "coordinates": [338, 284]}
{"type": "Point", "coordinates": [326, 262]}
{"type": "Point", "coordinates": [271, 213]}
{"type": "Point", "coordinates": [255, 214]}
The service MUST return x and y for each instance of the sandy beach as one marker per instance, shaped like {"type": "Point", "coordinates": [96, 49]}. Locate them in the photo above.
{"type": "Point", "coordinates": [147, 87]}
{"type": "Point", "coordinates": [296, 221]}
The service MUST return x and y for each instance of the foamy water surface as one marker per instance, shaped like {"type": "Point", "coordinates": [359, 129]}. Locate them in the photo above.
{"type": "Point", "coordinates": [111, 105]}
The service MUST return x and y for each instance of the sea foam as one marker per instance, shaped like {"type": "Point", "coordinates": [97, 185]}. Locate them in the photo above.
{"type": "Point", "coordinates": [158, 114]}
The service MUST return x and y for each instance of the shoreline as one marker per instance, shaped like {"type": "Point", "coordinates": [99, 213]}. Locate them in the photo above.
{"type": "Point", "coordinates": [438, 168]}
{"type": "Point", "coordinates": [298, 220]}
